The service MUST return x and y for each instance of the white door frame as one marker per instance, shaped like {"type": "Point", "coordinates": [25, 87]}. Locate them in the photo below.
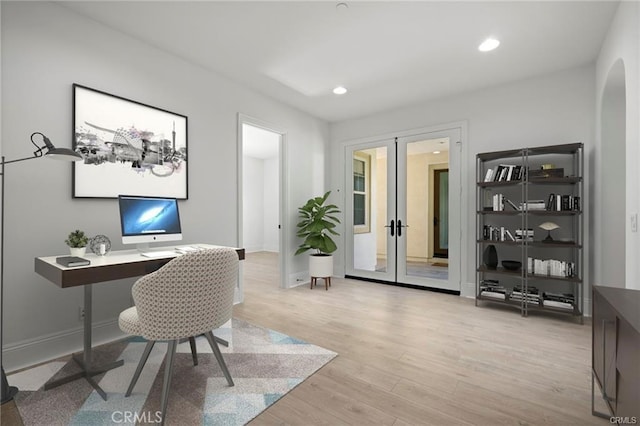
{"type": "Point", "coordinates": [457, 196]}
{"type": "Point", "coordinates": [283, 193]}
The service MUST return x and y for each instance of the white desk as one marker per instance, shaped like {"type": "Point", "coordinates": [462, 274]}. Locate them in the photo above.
{"type": "Point", "coordinates": [115, 265]}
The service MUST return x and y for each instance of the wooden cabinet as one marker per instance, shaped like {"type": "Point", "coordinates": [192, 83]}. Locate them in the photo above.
{"type": "Point", "coordinates": [616, 351]}
{"type": "Point", "coordinates": [529, 212]}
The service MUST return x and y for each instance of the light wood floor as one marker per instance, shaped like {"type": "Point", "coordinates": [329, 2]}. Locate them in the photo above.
{"type": "Point", "coordinates": [409, 357]}
{"type": "Point", "coordinates": [414, 357]}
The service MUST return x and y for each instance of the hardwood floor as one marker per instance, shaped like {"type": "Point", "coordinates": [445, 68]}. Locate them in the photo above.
{"type": "Point", "coordinates": [413, 357]}
{"type": "Point", "coordinates": [410, 357]}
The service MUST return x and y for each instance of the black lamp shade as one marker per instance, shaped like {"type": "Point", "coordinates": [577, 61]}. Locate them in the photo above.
{"type": "Point", "coordinates": [64, 154]}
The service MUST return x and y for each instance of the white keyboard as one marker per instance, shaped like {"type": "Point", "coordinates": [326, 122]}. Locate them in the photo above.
{"type": "Point", "coordinates": [154, 254]}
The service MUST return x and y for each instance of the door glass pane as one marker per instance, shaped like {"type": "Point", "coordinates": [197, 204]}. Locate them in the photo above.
{"type": "Point", "coordinates": [370, 209]}
{"type": "Point", "coordinates": [359, 214]}
{"type": "Point", "coordinates": [425, 214]}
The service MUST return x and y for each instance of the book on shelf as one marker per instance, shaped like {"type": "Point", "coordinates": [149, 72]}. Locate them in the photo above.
{"type": "Point", "coordinates": [498, 202]}
{"type": "Point", "coordinates": [506, 173]}
{"type": "Point", "coordinates": [493, 295]}
{"type": "Point", "coordinates": [489, 175]}
{"type": "Point", "coordinates": [526, 235]}
{"type": "Point", "coordinates": [546, 173]}
{"type": "Point", "coordinates": [555, 304]}
{"type": "Point", "coordinates": [533, 205]}
{"type": "Point", "coordinates": [511, 203]}
{"type": "Point", "coordinates": [551, 267]}
{"type": "Point", "coordinates": [551, 202]}
{"type": "Point", "coordinates": [510, 235]}
{"type": "Point", "coordinates": [559, 202]}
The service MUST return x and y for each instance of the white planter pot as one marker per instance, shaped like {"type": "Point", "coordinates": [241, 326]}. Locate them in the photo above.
{"type": "Point", "coordinates": [321, 266]}
{"type": "Point", "coordinates": [77, 251]}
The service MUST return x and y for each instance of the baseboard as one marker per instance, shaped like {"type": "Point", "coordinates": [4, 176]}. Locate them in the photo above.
{"type": "Point", "coordinates": [298, 278]}
{"type": "Point", "coordinates": [468, 290]}
{"type": "Point", "coordinates": [45, 348]}
{"type": "Point", "coordinates": [260, 249]}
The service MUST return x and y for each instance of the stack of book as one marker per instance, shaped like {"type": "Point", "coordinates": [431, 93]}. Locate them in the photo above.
{"type": "Point", "coordinates": [533, 205]}
{"type": "Point", "coordinates": [558, 300]}
{"type": "Point", "coordinates": [492, 289]}
{"type": "Point", "coordinates": [524, 234]}
{"type": "Point", "coordinates": [531, 296]}
{"type": "Point", "coordinates": [544, 173]}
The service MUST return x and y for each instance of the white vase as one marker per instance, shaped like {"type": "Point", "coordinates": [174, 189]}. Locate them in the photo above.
{"type": "Point", "coordinates": [320, 265]}
{"type": "Point", "coordinates": [77, 251]}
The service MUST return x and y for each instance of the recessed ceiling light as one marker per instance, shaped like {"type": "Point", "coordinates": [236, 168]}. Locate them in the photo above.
{"type": "Point", "coordinates": [488, 45]}
{"type": "Point", "coordinates": [339, 90]}
{"type": "Point", "coordinates": [436, 152]}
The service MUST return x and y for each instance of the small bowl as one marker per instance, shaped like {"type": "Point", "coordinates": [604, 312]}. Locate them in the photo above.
{"type": "Point", "coordinates": [511, 265]}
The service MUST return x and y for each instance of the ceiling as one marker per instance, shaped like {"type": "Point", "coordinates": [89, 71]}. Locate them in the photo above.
{"type": "Point", "coordinates": [388, 54]}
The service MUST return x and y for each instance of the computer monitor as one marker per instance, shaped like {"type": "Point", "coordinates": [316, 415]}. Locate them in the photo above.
{"type": "Point", "coordinates": [145, 220]}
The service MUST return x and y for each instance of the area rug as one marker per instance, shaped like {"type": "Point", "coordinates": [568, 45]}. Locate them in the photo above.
{"type": "Point", "coordinates": [264, 364]}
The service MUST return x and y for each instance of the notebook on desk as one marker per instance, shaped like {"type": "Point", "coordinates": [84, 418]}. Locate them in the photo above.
{"type": "Point", "coordinates": [71, 261]}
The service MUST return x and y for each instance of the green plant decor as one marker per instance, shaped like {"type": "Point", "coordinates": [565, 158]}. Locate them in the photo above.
{"type": "Point", "coordinates": [317, 222]}
{"type": "Point", "coordinates": [77, 239]}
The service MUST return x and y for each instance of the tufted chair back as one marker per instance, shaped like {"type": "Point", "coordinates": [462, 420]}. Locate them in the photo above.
{"type": "Point", "coordinates": [190, 295]}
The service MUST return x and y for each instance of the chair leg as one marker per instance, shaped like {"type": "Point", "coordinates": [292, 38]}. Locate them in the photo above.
{"type": "Point", "coordinates": [143, 361]}
{"type": "Point", "coordinates": [194, 353]}
{"type": "Point", "coordinates": [168, 369]}
{"type": "Point", "coordinates": [218, 354]}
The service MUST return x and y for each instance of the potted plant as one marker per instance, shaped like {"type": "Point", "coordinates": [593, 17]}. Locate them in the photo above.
{"type": "Point", "coordinates": [317, 223]}
{"type": "Point", "coordinates": [77, 242]}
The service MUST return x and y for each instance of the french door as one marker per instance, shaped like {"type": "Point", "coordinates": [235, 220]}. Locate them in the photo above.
{"type": "Point", "coordinates": [391, 207]}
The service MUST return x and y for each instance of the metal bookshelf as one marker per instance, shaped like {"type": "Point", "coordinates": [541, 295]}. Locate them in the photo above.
{"type": "Point", "coordinates": [563, 176]}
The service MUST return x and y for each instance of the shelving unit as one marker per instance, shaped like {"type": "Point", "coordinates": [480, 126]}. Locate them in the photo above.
{"type": "Point", "coordinates": [555, 282]}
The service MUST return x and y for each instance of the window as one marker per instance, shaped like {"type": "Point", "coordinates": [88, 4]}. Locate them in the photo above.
{"type": "Point", "coordinates": [361, 192]}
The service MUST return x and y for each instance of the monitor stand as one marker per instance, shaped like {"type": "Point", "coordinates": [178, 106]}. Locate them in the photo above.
{"type": "Point", "coordinates": [143, 247]}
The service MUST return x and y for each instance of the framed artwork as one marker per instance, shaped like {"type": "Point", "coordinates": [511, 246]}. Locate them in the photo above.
{"type": "Point", "coordinates": [129, 148]}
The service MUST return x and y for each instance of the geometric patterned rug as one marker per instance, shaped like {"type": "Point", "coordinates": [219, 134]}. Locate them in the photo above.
{"type": "Point", "coordinates": [263, 363]}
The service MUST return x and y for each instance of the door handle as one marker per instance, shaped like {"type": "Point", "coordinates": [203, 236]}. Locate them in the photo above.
{"type": "Point", "coordinates": [400, 226]}
{"type": "Point", "coordinates": [392, 227]}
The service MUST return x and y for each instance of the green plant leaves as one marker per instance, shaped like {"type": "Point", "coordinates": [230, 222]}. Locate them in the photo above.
{"type": "Point", "coordinates": [316, 222]}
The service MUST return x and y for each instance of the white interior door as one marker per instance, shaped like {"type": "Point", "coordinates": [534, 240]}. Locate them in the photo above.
{"type": "Point", "coordinates": [389, 196]}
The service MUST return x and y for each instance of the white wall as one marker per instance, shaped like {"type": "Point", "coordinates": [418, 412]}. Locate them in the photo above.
{"type": "Point", "coordinates": [253, 204]}
{"type": "Point", "coordinates": [260, 204]}
{"type": "Point", "coordinates": [551, 109]}
{"type": "Point", "coordinates": [46, 48]}
{"type": "Point", "coordinates": [622, 42]}
{"type": "Point", "coordinates": [271, 184]}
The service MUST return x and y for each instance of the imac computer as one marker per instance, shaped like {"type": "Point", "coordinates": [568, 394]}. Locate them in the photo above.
{"type": "Point", "coordinates": [145, 220]}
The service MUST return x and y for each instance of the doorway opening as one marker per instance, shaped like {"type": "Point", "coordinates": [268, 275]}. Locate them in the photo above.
{"type": "Point", "coordinates": [261, 198]}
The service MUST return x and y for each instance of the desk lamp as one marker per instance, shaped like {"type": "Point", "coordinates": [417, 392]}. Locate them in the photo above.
{"type": "Point", "coordinates": [48, 150]}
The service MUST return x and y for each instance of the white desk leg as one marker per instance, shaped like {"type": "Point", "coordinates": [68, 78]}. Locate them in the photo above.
{"type": "Point", "coordinates": [88, 370]}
